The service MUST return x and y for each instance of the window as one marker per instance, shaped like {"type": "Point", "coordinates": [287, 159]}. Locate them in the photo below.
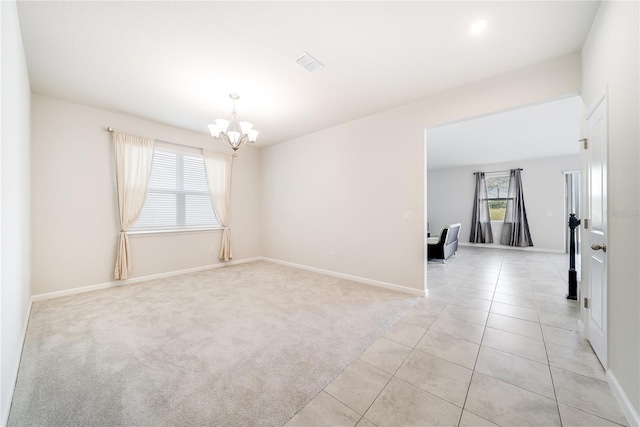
{"type": "Point", "coordinates": [497, 192]}
{"type": "Point", "coordinates": [178, 194]}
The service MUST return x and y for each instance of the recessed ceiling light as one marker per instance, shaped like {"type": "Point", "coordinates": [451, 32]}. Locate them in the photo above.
{"type": "Point", "coordinates": [478, 27]}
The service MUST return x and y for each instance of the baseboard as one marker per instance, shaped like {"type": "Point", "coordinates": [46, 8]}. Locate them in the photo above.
{"type": "Point", "coordinates": [628, 409]}
{"type": "Point", "coordinates": [5, 415]}
{"type": "Point", "coordinates": [97, 287]}
{"type": "Point", "coordinates": [90, 288]}
{"type": "Point", "coordinates": [364, 280]}
{"type": "Point", "coordinates": [511, 248]}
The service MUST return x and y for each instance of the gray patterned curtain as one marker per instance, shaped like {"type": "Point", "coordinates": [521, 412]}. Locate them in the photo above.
{"type": "Point", "coordinates": [480, 221]}
{"type": "Point", "coordinates": [515, 231]}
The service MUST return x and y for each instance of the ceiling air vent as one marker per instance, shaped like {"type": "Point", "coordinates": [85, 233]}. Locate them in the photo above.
{"type": "Point", "coordinates": [308, 62]}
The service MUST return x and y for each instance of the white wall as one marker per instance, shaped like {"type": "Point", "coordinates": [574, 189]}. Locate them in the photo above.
{"type": "Point", "coordinates": [450, 198]}
{"type": "Point", "coordinates": [15, 98]}
{"type": "Point", "coordinates": [75, 217]}
{"type": "Point", "coordinates": [346, 187]}
{"type": "Point", "coordinates": [610, 58]}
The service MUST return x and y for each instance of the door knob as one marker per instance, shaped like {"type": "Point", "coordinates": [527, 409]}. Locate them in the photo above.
{"type": "Point", "coordinates": [597, 247]}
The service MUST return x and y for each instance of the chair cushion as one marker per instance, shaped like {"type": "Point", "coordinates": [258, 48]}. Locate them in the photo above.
{"type": "Point", "coordinates": [433, 240]}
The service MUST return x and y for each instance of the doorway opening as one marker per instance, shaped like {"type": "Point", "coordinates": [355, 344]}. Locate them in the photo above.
{"type": "Point", "coordinates": [540, 138]}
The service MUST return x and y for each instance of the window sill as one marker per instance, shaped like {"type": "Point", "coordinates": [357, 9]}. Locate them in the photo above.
{"type": "Point", "coordinates": [172, 232]}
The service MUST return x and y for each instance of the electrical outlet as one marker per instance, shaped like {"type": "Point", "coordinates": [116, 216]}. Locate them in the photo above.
{"type": "Point", "coordinates": [330, 251]}
{"type": "Point", "coordinates": [408, 216]}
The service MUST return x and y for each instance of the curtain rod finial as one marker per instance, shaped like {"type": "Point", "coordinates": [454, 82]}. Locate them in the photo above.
{"type": "Point", "coordinates": [110, 129]}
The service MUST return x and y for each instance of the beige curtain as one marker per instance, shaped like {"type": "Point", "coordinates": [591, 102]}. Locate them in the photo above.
{"type": "Point", "coordinates": [218, 167]}
{"type": "Point", "coordinates": [133, 156]}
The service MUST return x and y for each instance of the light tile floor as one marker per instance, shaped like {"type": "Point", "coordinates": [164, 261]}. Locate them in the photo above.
{"type": "Point", "coordinates": [494, 343]}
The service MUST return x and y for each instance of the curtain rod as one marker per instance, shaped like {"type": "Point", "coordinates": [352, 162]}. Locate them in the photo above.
{"type": "Point", "coordinates": [110, 130]}
{"type": "Point", "coordinates": [507, 170]}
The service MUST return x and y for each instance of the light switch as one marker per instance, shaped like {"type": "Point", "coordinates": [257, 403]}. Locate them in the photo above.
{"type": "Point", "coordinates": [408, 216]}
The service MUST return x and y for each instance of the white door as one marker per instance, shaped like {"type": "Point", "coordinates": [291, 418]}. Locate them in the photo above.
{"type": "Point", "coordinates": [597, 231]}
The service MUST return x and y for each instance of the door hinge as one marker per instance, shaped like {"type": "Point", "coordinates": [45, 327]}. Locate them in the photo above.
{"type": "Point", "coordinates": [585, 223]}
{"type": "Point", "coordinates": [586, 302]}
{"type": "Point", "coordinates": [584, 143]}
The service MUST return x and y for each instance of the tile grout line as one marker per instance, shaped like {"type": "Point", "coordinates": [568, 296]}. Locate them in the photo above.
{"type": "Point", "coordinates": [392, 377]}
{"type": "Point", "coordinates": [553, 384]}
{"type": "Point", "coordinates": [533, 287]}
{"type": "Point", "coordinates": [473, 371]}
{"type": "Point", "coordinates": [416, 349]}
{"type": "Point", "coordinates": [358, 358]}
{"type": "Point", "coordinates": [388, 381]}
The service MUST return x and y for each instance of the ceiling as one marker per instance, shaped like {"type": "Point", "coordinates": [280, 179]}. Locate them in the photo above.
{"type": "Point", "coordinates": [540, 131]}
{"type": "Point", "coordinates": [177, 62]}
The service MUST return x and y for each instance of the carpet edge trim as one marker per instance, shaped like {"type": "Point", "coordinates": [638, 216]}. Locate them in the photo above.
{"type": "Point", "coordinates": [363, 280]}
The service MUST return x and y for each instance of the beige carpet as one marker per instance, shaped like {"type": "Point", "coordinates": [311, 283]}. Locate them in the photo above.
{"type": "Point", "coordinates": [243, 345]}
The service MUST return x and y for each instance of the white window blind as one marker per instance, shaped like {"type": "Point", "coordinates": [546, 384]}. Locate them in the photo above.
{"type": "Point", "coordinates": [178, 195]}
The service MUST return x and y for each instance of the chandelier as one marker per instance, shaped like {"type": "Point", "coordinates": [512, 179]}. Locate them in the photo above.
{"type": "Point", "coordinates": [234, 133]}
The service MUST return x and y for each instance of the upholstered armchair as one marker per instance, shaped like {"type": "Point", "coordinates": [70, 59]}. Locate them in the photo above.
{"type": "Point", "coordinates": [445, 245]}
